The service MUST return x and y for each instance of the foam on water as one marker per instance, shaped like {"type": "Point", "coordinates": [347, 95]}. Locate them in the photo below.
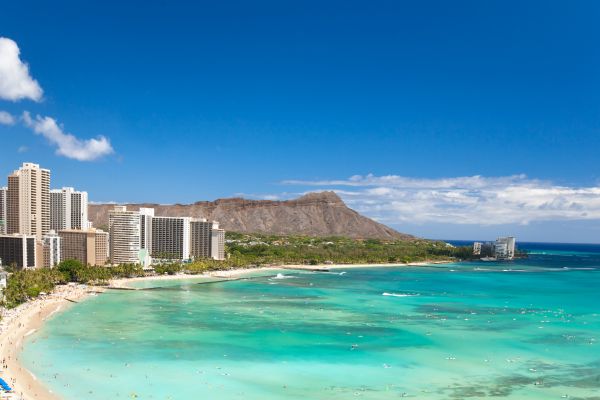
{"type": "Point", "coordinates": [282, 276]}
{"type": "Point", "coordinates": [399, 294]}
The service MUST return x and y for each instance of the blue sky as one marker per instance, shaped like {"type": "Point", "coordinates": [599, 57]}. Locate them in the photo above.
{"type": "Point", "coordinates": [198, 101]}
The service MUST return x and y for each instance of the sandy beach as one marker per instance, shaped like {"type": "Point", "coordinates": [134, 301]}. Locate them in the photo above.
{"type": "Point", "coordinates": [22, 321]}
{"type": "Point", "coordinates": [225, 274]}
{"type": "Point", "coordinates": [236, 273]}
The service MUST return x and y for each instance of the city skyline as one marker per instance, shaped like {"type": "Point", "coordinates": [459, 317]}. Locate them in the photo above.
{"type": "Point", "coordinates": [40, 227]}
{"type": "Point", "coordinates": [491, 131]}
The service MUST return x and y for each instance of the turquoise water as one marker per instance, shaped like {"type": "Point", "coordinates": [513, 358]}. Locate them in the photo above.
{"type": "Point", "coordinates": [522, 330]}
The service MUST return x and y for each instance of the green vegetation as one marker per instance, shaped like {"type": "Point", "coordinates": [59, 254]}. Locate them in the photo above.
{"type": "Point", "coordinates": [268, 249]}
{"type": "Point", "coordinates": [169, 269]}
{"type": "Point", "coordinates": [243, 250]}
{"type": "Point", "coordinates": [252, 250]}
{"type": "Point", "coordinates": [28, 284]}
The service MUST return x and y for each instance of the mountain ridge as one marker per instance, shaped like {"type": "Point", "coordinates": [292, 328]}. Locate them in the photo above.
{"type": "Point", "coordinates": [313, 214]}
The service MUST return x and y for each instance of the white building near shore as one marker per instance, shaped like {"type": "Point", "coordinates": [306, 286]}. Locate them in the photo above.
{"type": "Point", "coordinates": [501, 249]}
{"type": "Point", "coordinates": [51, 246]}
{"type": "Point", "coordinates": [477, 248]}
{"type": "Point", "coordinates": [217, 242]}
{"type": "Point", "coordinates": [504, 248]}
{"type": "Point", "coordinates": [68, 209]}
{"type": "Point", "coordinates": [124, 236]}
{"type": "Point", "coordinates": [28, 201]}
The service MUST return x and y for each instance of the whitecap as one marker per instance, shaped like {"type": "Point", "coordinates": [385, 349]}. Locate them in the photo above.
{"type": "Point", "coordinates": [282, 276]}
{"type": "Point", "coordinates": [399, 294]}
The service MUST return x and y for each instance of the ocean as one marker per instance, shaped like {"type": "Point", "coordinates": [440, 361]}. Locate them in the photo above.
{"type": "Point", "coordinates": [527, 329]}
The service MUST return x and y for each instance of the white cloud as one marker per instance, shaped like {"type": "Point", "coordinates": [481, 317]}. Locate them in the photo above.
{"type": "Point", "coordinates": [22, 149]}
{"type": "Point", "coordinates": [68, 145]}
{"type": "Point", "coordinates": [15, 81]}
{"type": "Point", "coordinates": [479, 200]}
{"type": "Point", "coordinates": [6, 118]}
{"type": "Point", "coordinates": [266, 196]}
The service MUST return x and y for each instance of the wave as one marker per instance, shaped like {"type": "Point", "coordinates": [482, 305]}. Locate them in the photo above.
{"type": "Point", "coordinates": [282, 276]}
{"type": "Point", "coordinates": [399, 294]}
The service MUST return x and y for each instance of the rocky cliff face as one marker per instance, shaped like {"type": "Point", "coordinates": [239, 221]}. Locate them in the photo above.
{"type": "Point", "coordinates": [315, 214]}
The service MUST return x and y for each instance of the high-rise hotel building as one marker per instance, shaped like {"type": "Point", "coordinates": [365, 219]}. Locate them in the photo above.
{"type": "Point", "coordinates": [171, 238]}
{"type": "Point", "coordinates": [217, 243]}
{"type": "Point", "coordinates": [89, 246]}
{"type": "Point", "coordinates": [146, 215]}
{"type": "Point", "coordinates": [51, 246]}
{"type": "Point", "coordinates": [125, 232]}
{"type": "Point", "coordinates": [28, 201]}
{"type": "Point", "coordinates": [18, 250]}
{"type": "Point", "coordinates": [206, 239]}
{"type": "Point", "coordinates": [200, 235]}
{"type": "Point", "coordinates": [3, 193]}
{"type": "Point", "coordinates": [185, 238]}
{"type": "Point", "coordinates": [68, 209]}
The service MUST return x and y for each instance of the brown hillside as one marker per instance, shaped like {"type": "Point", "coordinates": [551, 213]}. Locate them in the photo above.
{"type": "Point", "coordinates": [315, 214]}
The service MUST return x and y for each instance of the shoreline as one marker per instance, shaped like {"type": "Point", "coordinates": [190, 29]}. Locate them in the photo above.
{"type": "Point", "coordinates": [24, 320]}
{"type": "Point", "coordinates": [122, 283]}
{"type": "Point", "coordinates": [27, 318]}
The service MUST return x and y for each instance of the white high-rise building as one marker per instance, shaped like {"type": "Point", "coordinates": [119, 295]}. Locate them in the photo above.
{"type": "Point", "coordinates": [51, 249]}
{"type": "Point", "coordinates": [28, 201]}
{"type": "Point", "coordinates": [146, 215]}
{"type": "Point", "coordinates": [68, 209]}
{"type": "Point", "coordinates": [124, 235]}
{"type": "Point", "coordinates": [3, 193]}
{"type": "Point", "coordinates": [504, 247]}
{"type": "Point", "coordinates": [217, 242]}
